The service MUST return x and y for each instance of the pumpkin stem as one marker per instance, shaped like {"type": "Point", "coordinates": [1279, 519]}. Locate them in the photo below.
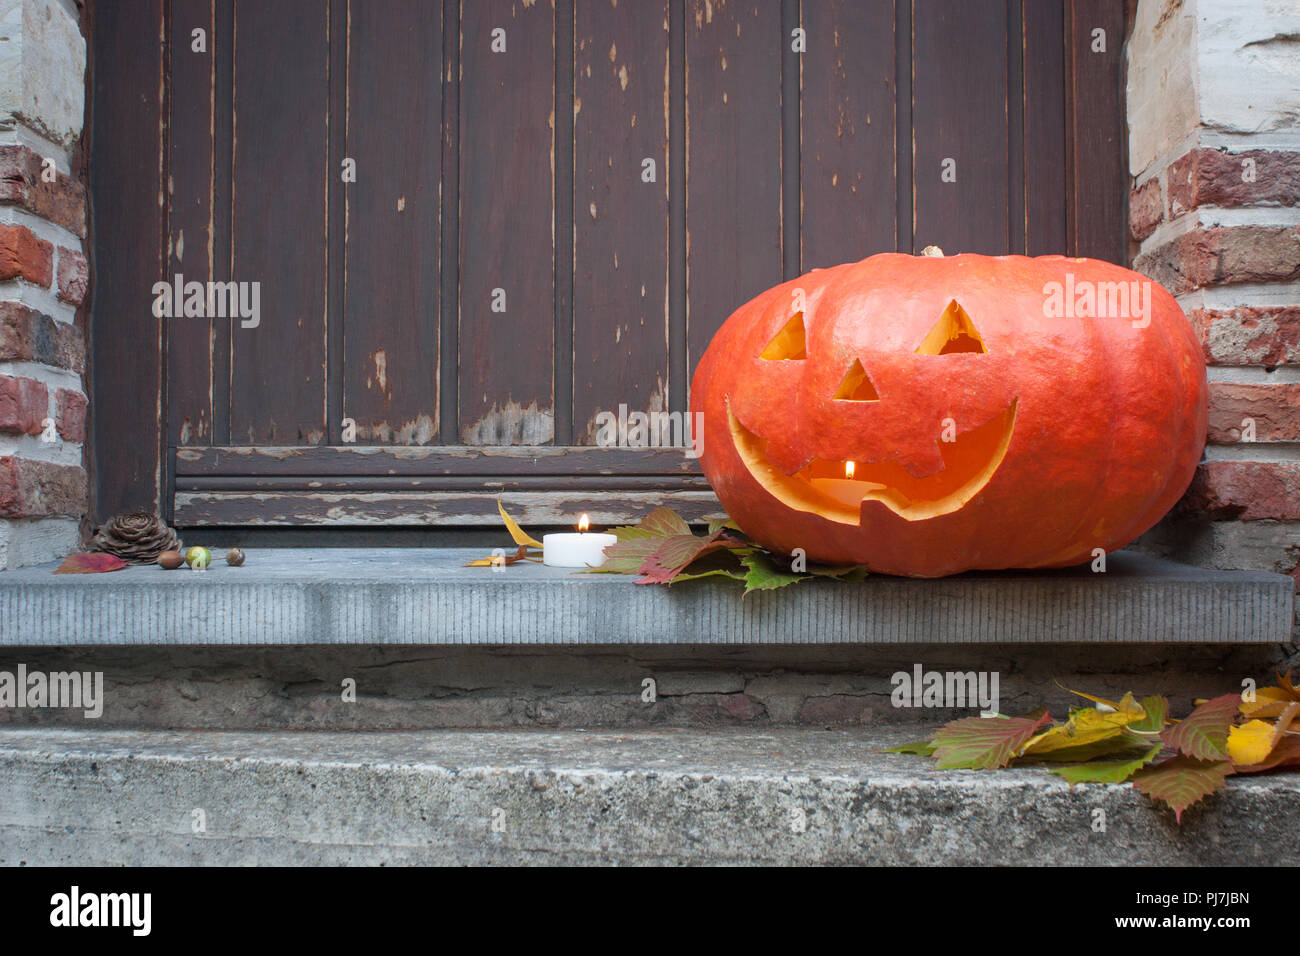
{"type": "Point", "coordinates": [932, 251]}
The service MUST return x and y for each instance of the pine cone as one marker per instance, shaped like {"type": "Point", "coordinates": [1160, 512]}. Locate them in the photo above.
{"type": "Point", "coordinates": [137, 538]}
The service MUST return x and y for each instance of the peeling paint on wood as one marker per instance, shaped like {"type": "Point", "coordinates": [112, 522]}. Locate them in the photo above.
{"type": "Point", "coordinates": [548, 508]}
{"type": "Point", "coordinates": [512, 424]}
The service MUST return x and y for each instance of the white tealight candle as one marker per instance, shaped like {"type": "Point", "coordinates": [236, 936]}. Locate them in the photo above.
{"type": "Point", "coordinates": [581, 550]}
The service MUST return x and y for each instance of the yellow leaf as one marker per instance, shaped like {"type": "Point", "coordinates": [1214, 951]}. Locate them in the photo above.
{"type": "Point", "coordinates": [1268, 702]}
{"type": "Point", "coordinates": [1126, 706]}
{"type": "Point", "coordinates": [1250, 743]}
{"type": "Point", "coordinates": [1085, 727]}
{"type": "Point", "coordinates": [516, 532]}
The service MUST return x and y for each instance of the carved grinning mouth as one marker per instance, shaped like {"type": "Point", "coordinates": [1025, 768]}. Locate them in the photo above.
{"type": "Point", "coordinates": [820, 487]}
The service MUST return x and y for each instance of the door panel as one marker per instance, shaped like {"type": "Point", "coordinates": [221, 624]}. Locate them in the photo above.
{"type": "Point", "coordinates": [391, 276]}
{"type": "Point", "coordinates": [507, 188]}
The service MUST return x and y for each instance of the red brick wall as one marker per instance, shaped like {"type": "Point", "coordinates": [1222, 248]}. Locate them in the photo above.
{"type": "Point", "coordinates": [1211, 226]}
{"type": "Point", "coordinates": [43, 281]}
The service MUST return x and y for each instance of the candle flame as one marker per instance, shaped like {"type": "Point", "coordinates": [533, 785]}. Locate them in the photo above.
{"type": "Point", "coordinates": [848, 469]}
{"type": "Point", "coordinates": [583, 523]}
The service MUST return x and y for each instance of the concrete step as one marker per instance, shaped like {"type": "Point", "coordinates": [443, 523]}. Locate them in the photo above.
{"type": "Point", "coordinates": [427, 596]}
{"type": "Point", "coordinates": [649, 796]}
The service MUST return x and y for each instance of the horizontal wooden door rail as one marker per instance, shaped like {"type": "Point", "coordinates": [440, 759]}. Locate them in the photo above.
{"type": "Point", "coordinates": [558, 506]}
{"type": "Point", "coordinates": [439, 482]}
{"type": "Point", "coordinates": [431, 460]}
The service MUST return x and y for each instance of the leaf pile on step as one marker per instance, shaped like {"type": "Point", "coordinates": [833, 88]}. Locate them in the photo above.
{"type": "Point", "coordinates": [663, 549]}
{"type": "Point", "coordinates": [1175, 762]}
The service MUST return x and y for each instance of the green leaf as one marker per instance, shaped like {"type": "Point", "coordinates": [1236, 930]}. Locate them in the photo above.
{"type": "Point", "coordinates": [1107, 771]}
{"type": "Point", "coordinates": [1182, 781]}
{"type": "Point", "coordinates": [764, 574]}
{"type": "Point", "coordinates": [840, 572]}
{"type": "Point", "coordinates": [711, 573]}
{"type": "Point", "coordinates": [1203, 734]}
{"type": "Point", "coordinates": [1117, 747]}
{"type": "Point", "coordinates": [923, 748]}
{"type": "Point", "coordinates": [721, 524]}
{"type": "Point", "coordinates": [980, 743]}
{"type": "Point", "coordinates": [1157, 709]}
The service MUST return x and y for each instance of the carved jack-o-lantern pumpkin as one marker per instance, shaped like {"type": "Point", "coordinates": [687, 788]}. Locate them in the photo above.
{"type": "Point", "coordinates": [929, 415]}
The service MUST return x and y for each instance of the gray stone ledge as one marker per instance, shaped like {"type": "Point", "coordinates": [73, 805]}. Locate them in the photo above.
{"type": "Point", "coordinates": [427, 596]}
{"type": "Point", "coordinates": [123, 797]}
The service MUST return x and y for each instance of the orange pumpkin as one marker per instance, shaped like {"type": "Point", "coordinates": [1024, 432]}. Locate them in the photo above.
{"type": "Point", "coordinates": [926, 415]}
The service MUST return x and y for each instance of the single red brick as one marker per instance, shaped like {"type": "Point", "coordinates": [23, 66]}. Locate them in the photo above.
{"type": "Point", "coordinates": [1268, 336]}
{"type": "Point", "coordinates": [1221, 255]}
{"type": "Point", "coordinates": [23, 182]}
{"type": "Point", "coordinates": [32, 489]}
{"type": "Point", "coordinates": [1146, 209]}
{"type": "Point", "coordinates": [1214, 177]}
{"type": "Point", "coordinates": [1245, 490]}
{"type": "Point", "coordinates": [71, 417]}
{"type": "Point", "coordinates": [1274, 411]}
{"type": "Point", "coordinates": [22, 255]}
{"type": "Point", "coordinates": [24, 405]}
{"type": "Point", "coordinates": [73, 276]}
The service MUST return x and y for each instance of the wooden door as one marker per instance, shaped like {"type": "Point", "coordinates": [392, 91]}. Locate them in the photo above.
{"type": "Point", "coordinates": [480, 229]}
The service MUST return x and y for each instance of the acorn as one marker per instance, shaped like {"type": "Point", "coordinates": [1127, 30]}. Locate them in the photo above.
{"type": "Point", "coordinates": [198, 558]}
{"type": "Point", "coordinates": [235, 558]}
{"type": "Point", "coordinates": [170, 560]}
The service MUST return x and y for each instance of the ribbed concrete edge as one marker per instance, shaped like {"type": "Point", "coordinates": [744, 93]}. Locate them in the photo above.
{"type": "Point", "coordinates": [781, 797]}
{"type": "Point", "coordinates": [427, 596]}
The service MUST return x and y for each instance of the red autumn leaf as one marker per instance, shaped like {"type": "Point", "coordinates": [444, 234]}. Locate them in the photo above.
{"type": "Point", "coordinates": [90, 562]}
{"type": "Point", "coordinates": [980, 743]}
{"type": "Point", "coordinates": [660, 523]}
{"type": "Point", "coordinates": [1203, 734]}
{"type": "Point", "coordinates": [1181, 781]}
{"type": "Point", "coordinates": [674, 554]}
{"type": "Point", "coordinates": [627, 556]}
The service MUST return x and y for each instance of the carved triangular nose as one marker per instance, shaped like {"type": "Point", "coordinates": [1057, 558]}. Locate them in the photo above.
{"type": "Point", "coordinates": [857, 386]}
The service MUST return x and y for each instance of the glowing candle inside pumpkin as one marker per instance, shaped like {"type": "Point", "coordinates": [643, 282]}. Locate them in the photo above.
{"type": "Point", "coordinates": [581, 550]}
{"type": "Point", "coordinates": [848, 490]}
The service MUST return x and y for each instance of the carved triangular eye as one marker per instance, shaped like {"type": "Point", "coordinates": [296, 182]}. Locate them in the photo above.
{"type": "Point", "coordinates": [856, 386]}
{"type": "Point", "coordinates": [788, 343]}
{"type": "Point", "coordinates": [954, 332]}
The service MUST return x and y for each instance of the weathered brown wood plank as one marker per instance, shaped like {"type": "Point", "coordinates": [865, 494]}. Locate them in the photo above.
{"type": "Point", "coordinates": [1099, 174]}
{"type": "Point", "coordinates": [189, 210]}
{"type": "Point", "coordinates": [391, 283]}
{"type": "Point", "coordinates": [1044, 70]}
{"type": "Point", "coordinates": [128, 196]}
{"type": "Point", "coordinates": [620, 286]}
{"type": "Point", "coordinates": [530, 508]}
{"type": "Point", "coordinates": [359, 460]}
{"type": "Point", "coordinates": [277, 393]}
{"type": "Point", "coordinates": [733, 160]}
{"type": "Point", "coordinates": [444, 484]}
{"type": "Point", "coordinates": [507, 102]}
{"type": "Point", "coordinates": [960, 114]}
{"type": "Point", "coordinates": [846, 106]}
